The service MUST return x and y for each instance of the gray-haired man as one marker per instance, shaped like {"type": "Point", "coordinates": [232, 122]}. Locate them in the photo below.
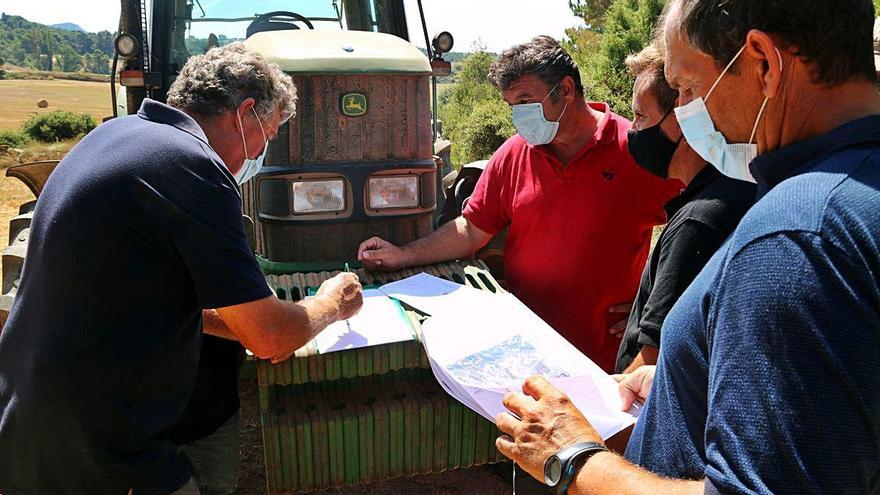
{"type": "Point", "coordinates": [136, 234]}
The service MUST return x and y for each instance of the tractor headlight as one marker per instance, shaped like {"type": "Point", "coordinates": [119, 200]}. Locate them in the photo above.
{"type": "Point", "coordinates": [317, 196]}
{"type": "Point", "coordinates": [126, 45]}
{"type": "Point", "coordinates": [394, 191]}
{"type": "Point", "coordinates": [442, 42]}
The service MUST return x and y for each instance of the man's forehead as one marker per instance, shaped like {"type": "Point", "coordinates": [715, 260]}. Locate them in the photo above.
{"type": "Point", "coordinates": [527, 82]}
{"type": "Point", "coordinates": [528, 86]}
{"type": "Point", "coordinates": [641, 91]}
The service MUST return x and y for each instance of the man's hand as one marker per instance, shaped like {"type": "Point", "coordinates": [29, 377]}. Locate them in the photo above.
{"type": "Point", "coordinates": [378, 254]}
{"type": "Point", "coordinates": [345, 289]}
{"type": "Point", "coordinates": [636, 386]}
{"type": "Point", "coordinates": [549, 421]}
{"type": "Point", "coordinates": [619, 315]}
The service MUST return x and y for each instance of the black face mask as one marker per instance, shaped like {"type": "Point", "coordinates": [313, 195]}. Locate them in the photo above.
{"type": "Point", "coordinates": [651, 149]}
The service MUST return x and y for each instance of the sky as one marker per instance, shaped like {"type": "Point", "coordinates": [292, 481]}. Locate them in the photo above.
{"type": "Point", "coordinates": [494, 24]}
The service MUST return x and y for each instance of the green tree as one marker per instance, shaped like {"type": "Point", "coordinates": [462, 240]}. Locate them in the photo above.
{"type": "Point", "coordinates": [475, 117]}
{"type": "Point", "coordinates": [17, 54]}
{"type": "Point", "coordinates": [592, 11]}
{"type": "Point", "coordinates": [68, 59]}
{"type": "Point", "coordinates": [627, 27]}
{"type": "Point", "coordinates": [96, 62]}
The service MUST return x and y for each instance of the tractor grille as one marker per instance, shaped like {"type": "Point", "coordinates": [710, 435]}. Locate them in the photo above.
{"type": "Point", "coordinates": [368, 414]}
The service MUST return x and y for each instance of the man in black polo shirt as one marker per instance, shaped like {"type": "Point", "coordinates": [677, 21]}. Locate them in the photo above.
{"type": "Point", "coordinates": [136, 234]}
{"type": "Point", "coordinates": [700, 219]}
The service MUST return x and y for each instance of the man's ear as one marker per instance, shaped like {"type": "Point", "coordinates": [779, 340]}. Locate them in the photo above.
{"type": "Point", "coordinates": [244, 109]}
{"type": "Point", "coordinates": [569, 91]}
{"type": "Point", "coordinates": [761, 47]}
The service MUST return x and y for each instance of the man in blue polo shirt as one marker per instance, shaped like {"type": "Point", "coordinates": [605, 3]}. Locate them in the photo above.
{"type": "Point", "coordinates": [767, 377]}
{"type": "Point", "coordinates": [137, 246]}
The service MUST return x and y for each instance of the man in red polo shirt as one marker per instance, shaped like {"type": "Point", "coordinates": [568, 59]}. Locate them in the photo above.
{"type": "Point", "coordinates": [580, 210]}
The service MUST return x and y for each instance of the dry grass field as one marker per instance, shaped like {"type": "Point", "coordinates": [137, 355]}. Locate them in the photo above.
{"type": "Point", "coordinates": [18, 99]}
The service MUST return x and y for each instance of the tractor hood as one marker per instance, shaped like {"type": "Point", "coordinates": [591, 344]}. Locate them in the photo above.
{"type": "Point", "coordinates": [339, 52]}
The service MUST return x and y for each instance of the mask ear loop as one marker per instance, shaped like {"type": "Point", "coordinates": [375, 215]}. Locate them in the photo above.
{"type": "Point", "coordinates": [259, 122]}
{"type": "Point", "coordinates": [764, 105]}
{"type": "Point", "coordinates": [551, 91]}
{"type": "Point", "coordinates": [241, 130]}
{"type": "Point", "coordinates": [729, 65]}
{"type": "Point", "coordinates": [548, 96]}
{"type": "Point", "coordinates": [661, 130]}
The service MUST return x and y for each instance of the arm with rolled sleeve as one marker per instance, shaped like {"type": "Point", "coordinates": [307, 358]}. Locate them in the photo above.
{"type": "Point", "coordinates": [794, 399]}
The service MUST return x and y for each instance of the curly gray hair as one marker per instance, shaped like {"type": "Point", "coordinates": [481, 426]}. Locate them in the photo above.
{"type": "Point", "coordinates": [222, 78]}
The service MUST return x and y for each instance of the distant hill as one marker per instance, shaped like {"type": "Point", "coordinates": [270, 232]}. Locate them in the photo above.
{"type": "Point", "coordinates": [453, 56]}
{"type": "Point", "coordinates": [69, 26]}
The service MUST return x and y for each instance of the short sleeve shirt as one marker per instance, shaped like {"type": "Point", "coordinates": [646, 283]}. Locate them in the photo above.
{"type": "Point", "coordinates": [579, 233]}
{"type": "Point", "coordinates": [767, 380]}
{"type": "Point", "coordinates": [699, 221]}
{"type": "Point", "coordinates": [137, 231]}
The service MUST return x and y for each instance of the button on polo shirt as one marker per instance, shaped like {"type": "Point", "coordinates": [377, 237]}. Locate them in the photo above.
{"type": "Point", "coordinates": [579, 232]}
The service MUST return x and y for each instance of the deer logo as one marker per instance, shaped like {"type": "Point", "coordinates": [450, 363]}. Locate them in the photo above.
{"type": "Point", "coordinates": [354, 104]}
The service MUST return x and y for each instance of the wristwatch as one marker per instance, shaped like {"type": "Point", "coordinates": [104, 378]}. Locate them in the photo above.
{"type": "Point", "coordinates": [560, 468]}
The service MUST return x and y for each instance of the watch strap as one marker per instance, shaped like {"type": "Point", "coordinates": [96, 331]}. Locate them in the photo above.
{"type": "Point", "coordinates": [569, 457]}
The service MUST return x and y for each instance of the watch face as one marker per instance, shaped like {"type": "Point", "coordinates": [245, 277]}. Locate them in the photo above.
{"type": "Point", "coordinates": [553, 470]}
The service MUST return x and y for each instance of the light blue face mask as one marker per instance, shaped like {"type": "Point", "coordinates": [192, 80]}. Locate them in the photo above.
{"type": "Point", "coordinates": [530, 123]}
{"type": "Point", "coordinates": [250, 167]}
{"type": "Point", "coordinates": [698, 129]}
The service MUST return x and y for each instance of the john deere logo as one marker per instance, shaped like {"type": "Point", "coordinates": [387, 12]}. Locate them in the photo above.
{"type": "Point", "coordinates": [353, 104]}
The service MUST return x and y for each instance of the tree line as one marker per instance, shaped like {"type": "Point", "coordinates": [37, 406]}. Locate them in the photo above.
{"type": "Point", "coordinates": [36, 46]}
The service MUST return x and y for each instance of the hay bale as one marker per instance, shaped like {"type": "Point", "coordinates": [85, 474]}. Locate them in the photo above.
{"type": "Point", "coordinates": [42, 104]}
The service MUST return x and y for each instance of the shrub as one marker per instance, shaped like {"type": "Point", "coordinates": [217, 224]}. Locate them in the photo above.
{"type": "Point", "coordinates": [627, 26]}
{"type": "Point", "coordinates": [484, 130]}
{"type": "Point", "coordinates": [58, 126]}
{"type": "Point", "coordinates": [12, 138]}
{"type": "Point", "coordinates": [475, 118]}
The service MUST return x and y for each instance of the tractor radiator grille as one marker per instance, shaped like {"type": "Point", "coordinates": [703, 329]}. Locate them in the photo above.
{"type": "Point", "coordinates": [363, 415]}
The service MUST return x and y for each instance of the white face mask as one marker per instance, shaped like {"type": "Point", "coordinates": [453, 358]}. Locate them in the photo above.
{"type": "Point", "coordinates": [696, 124]}
{"type": "Point", "coordinates": [250, 167]}
{"type": "Point", "coordinates": [530, 123]}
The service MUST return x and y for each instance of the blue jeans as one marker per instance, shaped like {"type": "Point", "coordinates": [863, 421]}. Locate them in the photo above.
{"type": "Point", "coordinates": [213, 460]}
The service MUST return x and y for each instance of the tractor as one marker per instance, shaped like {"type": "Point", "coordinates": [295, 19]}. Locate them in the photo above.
{"type": "Point", "coordinates": [358, 160]}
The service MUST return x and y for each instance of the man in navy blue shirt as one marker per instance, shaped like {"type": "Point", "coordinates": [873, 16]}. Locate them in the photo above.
{"type": "Point", "coordinates": [767, 377]}
{"type": "Point", "coordinates": [137, 246]}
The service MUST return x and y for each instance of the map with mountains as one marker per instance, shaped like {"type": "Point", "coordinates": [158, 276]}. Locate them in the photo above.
{"type": "Point", "coordinates": [503, 365]}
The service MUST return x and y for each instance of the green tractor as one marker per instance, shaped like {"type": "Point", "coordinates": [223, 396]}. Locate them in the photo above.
{"type": "Point", "coordinates": [358, 160]}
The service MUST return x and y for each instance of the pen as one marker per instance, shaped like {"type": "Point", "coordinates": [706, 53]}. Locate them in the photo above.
{"type": "Point", "coordinates": [347, 323]}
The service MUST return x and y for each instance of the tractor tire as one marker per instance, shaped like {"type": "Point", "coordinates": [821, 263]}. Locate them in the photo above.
{"type": "Point", "coordinates": [13, 258]}
{"type": "Point", "coordinates": [34, 175]}
{"type": "Point", "coordinates": [458, 187]}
